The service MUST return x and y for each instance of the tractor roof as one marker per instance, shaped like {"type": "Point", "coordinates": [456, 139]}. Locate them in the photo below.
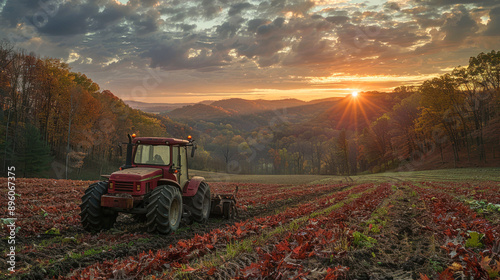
{"type": "Point", "coordinates": [160, 141]}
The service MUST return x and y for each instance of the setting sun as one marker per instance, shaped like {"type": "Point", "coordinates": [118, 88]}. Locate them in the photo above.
{"type": "Point", "coordinates": [354, 94]}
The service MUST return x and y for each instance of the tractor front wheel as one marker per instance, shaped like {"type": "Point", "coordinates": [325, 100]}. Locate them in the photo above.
{"type": "Point", "coordinates": [92, 215]}
{"type": "Point", "coordinates": [164, 210]}
{"type": "Point", "coordinates": [200, 204]}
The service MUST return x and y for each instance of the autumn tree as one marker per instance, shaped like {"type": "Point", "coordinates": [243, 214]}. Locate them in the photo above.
{"type": "Point", "coordinates": [32, 157]}
{"type": "Point", "coordinates": [402, 122]}
{"type": "Point", "coordinates": [442, 109]}
{"type": "Point", "coordinates": [343, 153]}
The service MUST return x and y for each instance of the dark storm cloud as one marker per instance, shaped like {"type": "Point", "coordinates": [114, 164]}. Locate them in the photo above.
{"type": "Point", "coordinates": [186, 27]}
{"type": "Point", "coordinates": [426, 21]}
{"type": "Point", "coordinates": [174, 54]}
{"type": "Point", "coordinates": [179, 17]}
{"type": "Point", "coordinates": [70, 20]}
{"type": "Point", "coordinates": [310, 49]}
{"type": "Point", "coordinates": [455, 2]}
{"type": "Point", "coordinates": [338, 19]}
{"type": "Point", "coordinates": [417, 10]}
{"type": "Point", "coordinates": [404, 35]}
{"type": "Point", "coordinates": [279, 22]}
{"type": "Point", "coordinates": [266, 39]}
{"type": "Point", "coordinates": [274, 7]}
{"type": "Point", "coordinates": [265, 30]}
{"type": "Point", "coordinates": [265, 45]}
{"type": "Point", "coordinates": [255, 23]}
{"type": "Point", "coordinates": [143, 3]}
{"type": "Point", "coordinates": [66, 18]}
{"type": "Point", "coordinates": [459, 25]}
{"type": "Point", "coordinates": [229, 28]}
{"type": "Point", "coordinates": [210, 8]}
{"type": "Point", "coordinates": [112, 13]}
{"type": "Point", "coordinates": [238, 8]}
{"type": "Point", "coordinates": [145, 23]}
{"type": "Point", "coordinates": [494, 24]}
{"type": "Point", "coordinates": [392, 6]}
{"type": "Point", "coordinates": [16, 11]}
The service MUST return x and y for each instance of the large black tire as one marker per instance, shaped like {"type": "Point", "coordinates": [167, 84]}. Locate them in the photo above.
{"type": "Point", "coordinates": [200, 204]}
{"type": "Point", "coordinates": [92, 215]}
{"type": "Point", "coordinates": [164, 210]}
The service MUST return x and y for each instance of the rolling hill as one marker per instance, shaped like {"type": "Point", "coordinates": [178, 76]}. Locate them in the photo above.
{"type": "Point", "coordinates": [244, 106]}
{"type": "Point", "coordinates": [199, 112]}
{"type": "Point", "coordinates": [154, 107]}
{"type": "Point", "coordinates": [247, 115]}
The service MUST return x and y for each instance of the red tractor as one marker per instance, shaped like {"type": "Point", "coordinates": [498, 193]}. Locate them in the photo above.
{"type": "Point", "coordinates": [155, 187]}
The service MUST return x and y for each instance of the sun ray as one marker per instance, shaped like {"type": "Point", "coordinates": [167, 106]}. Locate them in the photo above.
{"type": "Point", "coordinates": [356, 111]}
{"type": "Point", "coordinates": [372, 105]}
{"type": "Point", "coordinates": [346, 109]}
{"type": "Point", "coordinates": [365, 117]}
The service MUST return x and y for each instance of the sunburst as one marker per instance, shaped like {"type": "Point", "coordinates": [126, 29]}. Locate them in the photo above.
{"type": "Point", "coordinates": [356, 109]}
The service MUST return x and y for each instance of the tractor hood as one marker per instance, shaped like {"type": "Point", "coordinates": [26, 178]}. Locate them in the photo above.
{"type": "Point", "coordinates": [136, 174]}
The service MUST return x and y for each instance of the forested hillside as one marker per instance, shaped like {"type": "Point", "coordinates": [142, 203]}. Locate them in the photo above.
{"type": "Point", "coordinates": [449, 121]}
{"type": "Point", "coordinates": [53, 118]}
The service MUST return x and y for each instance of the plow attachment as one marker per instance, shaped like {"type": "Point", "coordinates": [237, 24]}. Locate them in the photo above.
{"type": "Point", "coordinates": [224, 205]}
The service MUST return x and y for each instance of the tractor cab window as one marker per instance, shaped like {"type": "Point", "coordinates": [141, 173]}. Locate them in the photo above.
{"type": "Point", "coordinates": [179, 160]}
{"type": "Point", "coordinates": [152, 154]}
{"type": "Point", "coordinates": [179, 156]}
{"type": "Point", "coordinates": [175, 156]}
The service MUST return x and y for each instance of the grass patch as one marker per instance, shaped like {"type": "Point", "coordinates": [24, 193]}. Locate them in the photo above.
{"type": "Point", "coordinates": [436, 265]}
{"type": "Point", "coordinates": [87, 253]}
{"type": "Point", "coordinates": [233, 249]}
{"type": "Point", "coordinates": [361, 240]}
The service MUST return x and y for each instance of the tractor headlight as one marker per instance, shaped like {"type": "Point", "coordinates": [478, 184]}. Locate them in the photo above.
{"type": "Point", "coordinates": [110, 185]}
{"type": "Point", "coordinates": [138, 187]}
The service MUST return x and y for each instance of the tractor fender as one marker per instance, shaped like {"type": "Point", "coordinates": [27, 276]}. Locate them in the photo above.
{"type": "Point", "coordinates": [168, 182]}
{"type": "Point", "coordinates": [191, 187]}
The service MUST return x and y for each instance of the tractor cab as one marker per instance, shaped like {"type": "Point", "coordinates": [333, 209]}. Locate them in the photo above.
{"type": "Point", "coordinates": [154, 186]}
{"type": "Point", "coordinates": [167, 154]}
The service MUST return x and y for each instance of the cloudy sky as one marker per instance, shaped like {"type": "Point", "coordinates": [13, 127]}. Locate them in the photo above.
{"type": "Point", "coordinates": [188, 51]}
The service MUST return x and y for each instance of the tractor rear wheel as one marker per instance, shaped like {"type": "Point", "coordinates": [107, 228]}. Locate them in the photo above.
{"type": "Point", "coordinates": [92, 215]}
{"type": "Point", "coordinates": [164, 210]}
{"type": "Point", "coordinates": [200, 204]}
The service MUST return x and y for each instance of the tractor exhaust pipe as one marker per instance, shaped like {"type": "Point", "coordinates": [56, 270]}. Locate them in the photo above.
{"type": "Point", "coordinates": [128, 160]}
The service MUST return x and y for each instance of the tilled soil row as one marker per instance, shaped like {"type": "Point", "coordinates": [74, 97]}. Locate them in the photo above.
{"type": "Point", "coordinates": [404, 248]}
